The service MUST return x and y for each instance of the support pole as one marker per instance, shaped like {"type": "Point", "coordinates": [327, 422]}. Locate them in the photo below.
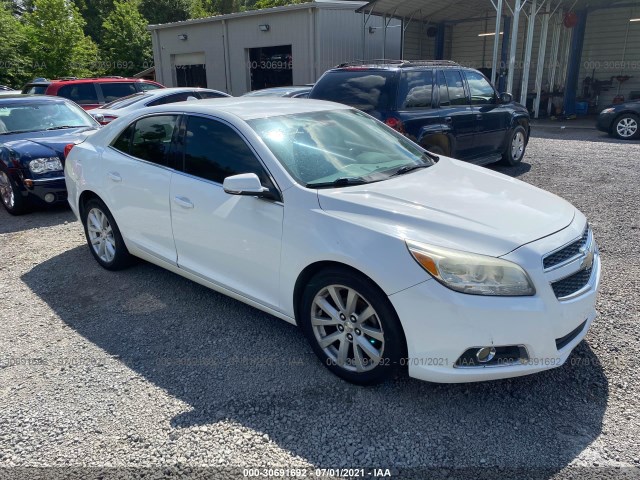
{"type": "Point", "coordinates": [526, 64]}
{"type": "Point", "coordinates": [384, 38]}
{"type": "Point", "coordinates": [504, 53]}
{"type": "Point", "coordinates": [514, 45]}
{"type": "Point", "coordinates": [553, 67]}
{"type": "Point", "coordinates": [439, 53]}
{"type": "Point", "coordinates": [573, 70]}
{"type": "Point", "coordinates": [496, 43]}
{"type": "Point", "coordinates": [542, 50]}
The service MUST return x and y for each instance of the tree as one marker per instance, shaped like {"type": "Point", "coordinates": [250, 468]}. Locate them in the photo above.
{"type": "Point", "coordinates": [56, 41]}
{"type": "Point", "coordinates": [207, 8]}
{"type": "Point", "coordinates": [14, 64]}
{"type": "Point", "coordinates": [126, 42]}
{"type": "Point", "coordinates": [276, 3]}
{"type": "Point", "coordinates": [165, 11]}
{"type": "Point", "coordinates": [94, 12]}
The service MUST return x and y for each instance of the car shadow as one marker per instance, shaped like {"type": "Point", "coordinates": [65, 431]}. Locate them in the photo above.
{"type": "Point", "coordinates": [568, 133]}
{"type": "Point", "coordinates": [37, 218]}
{"type": "Point", "coordinates": [229, 361]}
{"type": "Point", "coordinates": [516, 171]}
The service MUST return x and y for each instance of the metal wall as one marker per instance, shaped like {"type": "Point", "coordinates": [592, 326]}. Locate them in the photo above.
{"type": "Point", "coordinates": [321, 36]}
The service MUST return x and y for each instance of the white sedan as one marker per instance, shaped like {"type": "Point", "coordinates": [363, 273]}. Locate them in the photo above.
{"type": "Point", "coordinates": [385, 255]}
{"type": "Point", "coordinates": [150, 98]}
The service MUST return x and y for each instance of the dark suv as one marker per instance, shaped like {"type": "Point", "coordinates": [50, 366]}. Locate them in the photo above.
{"type": "Point", "coordinates": [445, 108]}
{"type": "Point", "coordinates": [90, 92]}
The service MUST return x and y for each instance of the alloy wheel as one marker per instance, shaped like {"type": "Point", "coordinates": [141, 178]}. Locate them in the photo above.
{"type": "Point", "coordinates": [517, 146]}
{"type": "Point", "coordinates": [347, 328]}
{"type": "Point", "coordinates": [6, 191]}
{"type": "Point", "coordinates": [627, 127]}
{"type": "Point", "coordinates": [101, 235]}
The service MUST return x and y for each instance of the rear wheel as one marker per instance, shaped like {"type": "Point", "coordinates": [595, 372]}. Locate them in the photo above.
{"type": "Point", "coordinates": [352, 326]}
{"type": "Point", "coordinates": [517, 145]}
{"type": "Point", "coordinates": [103, 236]}
{"type": "Point", "coordinates": [627, 126]}
{"type": "Point", "coordinates": [12, 200]}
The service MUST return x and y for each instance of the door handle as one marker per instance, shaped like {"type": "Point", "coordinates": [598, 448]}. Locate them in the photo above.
{"type": "Point", "coordinates": [115, 176]}
{"type": "Point", "coordinates": [184, 202]}
{"type": "Point", "coordinates": [479, 116]}
{"type": "Point", "coordinates": [448, 120]}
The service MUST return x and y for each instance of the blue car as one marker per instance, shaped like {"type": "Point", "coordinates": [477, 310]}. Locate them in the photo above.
{"type": "Point", "coordinates": [34, 132]}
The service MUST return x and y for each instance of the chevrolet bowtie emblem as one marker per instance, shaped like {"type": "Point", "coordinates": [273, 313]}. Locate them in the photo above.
{"type": "Point", "coordinates": [587, 260]}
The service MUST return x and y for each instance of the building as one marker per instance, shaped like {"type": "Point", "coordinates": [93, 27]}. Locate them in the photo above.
{"type": "Point", "coordinates": [555, 56]}
{"type": "Point", "coordinates": [290, 45]}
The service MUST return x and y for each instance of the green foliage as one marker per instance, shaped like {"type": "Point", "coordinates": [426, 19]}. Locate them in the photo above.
{"type": "Point", "coordinates": [207, 8]}
{"type": "Point", "coordinates": [276, 3]}
{"type": "Point", "coordinates": [165, 11]}
{"type": "Point", "coordinates": [126, 43]}
{"type": "Point", "coordinates": [55, 41]}
{"type": "Point", "coordinates": [14, 67]}
{"type": "Point", "coordinates": [94, 12]}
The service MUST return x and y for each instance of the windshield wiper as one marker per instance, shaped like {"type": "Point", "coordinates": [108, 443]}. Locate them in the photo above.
{"type": "Point", "coordinates": [339, 182]}
{"type": "Point", "coordinates": [408, 168]}
{"type": "Point", "coordinates": [67, 126]}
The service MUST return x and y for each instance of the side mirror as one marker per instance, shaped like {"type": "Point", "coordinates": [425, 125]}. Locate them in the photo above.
{"type": "Point", "coordinates": [245, 184]}
{"type": "Point", "coordinates": [98, 117]}
{"type": "Point", "coordinates": [506, 97]}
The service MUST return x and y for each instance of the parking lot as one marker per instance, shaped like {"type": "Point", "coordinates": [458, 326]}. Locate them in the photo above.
{"type": "Point", "coordinates": [142, 368]}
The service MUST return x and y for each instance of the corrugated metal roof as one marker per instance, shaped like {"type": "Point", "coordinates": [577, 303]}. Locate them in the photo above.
{"type": "Point", "coordinates": [346, 4]}
{"type": "Point", "coordinates": [435, 11]}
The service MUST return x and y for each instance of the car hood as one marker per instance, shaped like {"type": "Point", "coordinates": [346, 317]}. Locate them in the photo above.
{"type": "Point", "coordinates": [45, 144]}
{"type": "Point", "coordinates": [453, 204]}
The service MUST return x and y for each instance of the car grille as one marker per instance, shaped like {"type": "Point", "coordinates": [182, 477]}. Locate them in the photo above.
{"type": "Point", "coordinates": [571, 284]}
{"type": "Point", "coordinates": [565, 253]}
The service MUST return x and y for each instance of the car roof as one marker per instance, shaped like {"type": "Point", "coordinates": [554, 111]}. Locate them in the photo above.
{"type": "Point", "coordinates": [249, 108]}
{"type": "Point", "coordinates": [396, 65]}
{"type": "Point", "coordinates": [168, 91]}
{"type": "Point", "coordinates": [71, 80]}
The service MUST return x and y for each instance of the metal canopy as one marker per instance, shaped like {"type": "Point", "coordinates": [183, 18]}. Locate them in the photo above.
{"type": "Point", "coordinates": [433, 10]}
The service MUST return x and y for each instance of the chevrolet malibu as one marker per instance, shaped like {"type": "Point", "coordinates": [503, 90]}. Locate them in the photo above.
{"type": "Point", "coordinates": [387, 256]}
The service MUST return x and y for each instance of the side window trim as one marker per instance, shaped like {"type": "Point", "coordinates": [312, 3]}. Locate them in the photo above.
{"type": "Point", "coordinates": [182, 142]}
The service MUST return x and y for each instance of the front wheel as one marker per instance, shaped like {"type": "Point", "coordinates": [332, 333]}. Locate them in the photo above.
{"type": "Point", "coordinates": [352, 327]}
{"type": "Point", "coordinates": [103, 236]}
{"type": "Point", "coordinates": [12, 200]}
{"type": "Point", "coordinates": [627, 127]}
{"type": "Point", "coordinates": [516, 148]}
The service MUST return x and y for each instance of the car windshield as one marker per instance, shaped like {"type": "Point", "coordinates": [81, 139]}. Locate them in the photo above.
{"type": "Point", "coordinates": [126, 101]}
{"type": "Point", "coordinates": [338, 147]}
{"type": "Point", "coordinates": [34, 117]}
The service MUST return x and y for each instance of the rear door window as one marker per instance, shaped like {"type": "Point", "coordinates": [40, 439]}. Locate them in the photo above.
{"type": "Point", "coordinates": [368, 91]}
{"type": "Point", "coordinates": [176, 97]}
{"type": "Point", "coordinates": [443, 90]}
{"type": "Point", "coordinates": [152, 138]}
{"type": "Point", "coordinates": [35, 89]}
{"type": "Point", "coordinates": [114, 90]}
{"type": "Point", "coordinates": [457, 95]}
{"type": "Point", "coordinates": [81, 93]}
{"type": "Point", "coordinates": [416, 88]}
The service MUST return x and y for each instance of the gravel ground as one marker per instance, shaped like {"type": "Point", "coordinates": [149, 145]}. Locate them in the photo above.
{"type": "Point", "coordinates": [142, 368]}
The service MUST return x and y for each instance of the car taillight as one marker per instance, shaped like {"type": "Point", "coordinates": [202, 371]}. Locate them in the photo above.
{"type": "Point", "coordinates": [107, 119]}
{"type": "Point", "coordinates": [67, 149]}
{"type": "Point", "coordinates": [395, 123]}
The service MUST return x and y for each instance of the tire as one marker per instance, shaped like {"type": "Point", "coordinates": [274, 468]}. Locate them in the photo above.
{"type": "Point", "coordinates": [10, 196]}
{"type": "Point", "coordinates": [378, 338]}
{"type": "Point", "coordinates": [516, 147]}
{"type": "Point", "coordinates": [103, 236]}
{"type": "Point", "coordinates": [626, 127]}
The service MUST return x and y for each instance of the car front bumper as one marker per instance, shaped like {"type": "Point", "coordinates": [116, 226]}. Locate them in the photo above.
{"type": "Point", "coordinates": [441, 324]}
{"type": "Point", "coordinates": [46, 190]}
{"type": "Point", "coordinates": [604, 122]}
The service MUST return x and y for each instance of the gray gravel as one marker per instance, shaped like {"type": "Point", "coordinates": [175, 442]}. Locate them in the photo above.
{"type": "Point", "coordinates": [142, 368]}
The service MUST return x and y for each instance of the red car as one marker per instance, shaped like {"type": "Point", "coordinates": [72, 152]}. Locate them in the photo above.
{"type": "Point", "coordinates": [90, 92]}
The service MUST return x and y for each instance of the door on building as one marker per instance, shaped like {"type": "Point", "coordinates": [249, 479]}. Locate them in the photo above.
{"type": "Point", "coordinates": [270, 67]}
{"type": "Point", "coordinates": [190, 70]}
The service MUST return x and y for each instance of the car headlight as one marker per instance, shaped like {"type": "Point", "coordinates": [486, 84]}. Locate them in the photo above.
{"type": "Point", "coordinates": [608, 110]}
{"type": "Point", "coordinates": [43, 165]}
{"type": "Point", "coordinates": [471, 273]}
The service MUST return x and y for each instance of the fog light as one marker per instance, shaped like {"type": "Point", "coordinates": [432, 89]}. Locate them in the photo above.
{"type": "Point", "coordinates": [49, 198]}
{"type": "Point", "coordinates": [486, 354]}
